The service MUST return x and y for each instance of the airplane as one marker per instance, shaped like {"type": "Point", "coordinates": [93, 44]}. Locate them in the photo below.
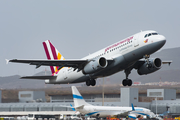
{"type": "Point", "coordinates": [104, 111]}
{"type": "Point", "coordinates": [130, 53]}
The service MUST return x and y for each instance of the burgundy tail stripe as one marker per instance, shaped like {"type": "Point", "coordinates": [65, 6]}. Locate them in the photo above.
{"type": "Point", "coordinates": [46, 50]}
{"type": "Point", "coordinates": [48, 56]}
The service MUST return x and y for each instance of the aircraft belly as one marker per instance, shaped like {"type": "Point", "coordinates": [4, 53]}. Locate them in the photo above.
{"type": "Point", "coordinates": [67, 77]}
{"type": "Point", "coordinates": [153, 47]}
{"type": "Point", "coordinates": [119, 64]}
{"type": "Point", "coordinates": [138, 53]}
{"type": "Point", "coordinates": [80, 79]}
{"type": "Point", "coordinates": [105, 113]}
{"type": "Point", "coordinates": [127, 59]}
{"type": "Point", "coordinates": [134, 55]}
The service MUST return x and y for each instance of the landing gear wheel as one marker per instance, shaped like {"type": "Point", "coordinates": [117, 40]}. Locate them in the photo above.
{"type": "Point", "coordinates": [88, 82]}
{"type": "Point", "coordinates": [124, 82]}
{"type": "Point", "coordinates": [93, 82]}
{"type": "Point", "coordinates": [129, 82]}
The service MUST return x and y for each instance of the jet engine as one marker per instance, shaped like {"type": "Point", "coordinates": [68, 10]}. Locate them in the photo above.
{"type": "Point", "coordinates": [95, 65]}
{"type": "Point", "coordinates": [149, 67]}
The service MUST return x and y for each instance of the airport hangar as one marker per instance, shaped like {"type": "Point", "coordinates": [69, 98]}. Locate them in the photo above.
{"type": "Point", "coordinates": [35, 101]}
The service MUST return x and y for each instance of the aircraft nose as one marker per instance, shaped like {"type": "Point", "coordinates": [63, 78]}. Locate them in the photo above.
{"type": "Point", "coordinates": [161, 39]}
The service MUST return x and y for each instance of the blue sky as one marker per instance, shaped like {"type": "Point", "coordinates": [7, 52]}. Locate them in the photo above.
{"type": "Point", "coordinates": [78, 27]}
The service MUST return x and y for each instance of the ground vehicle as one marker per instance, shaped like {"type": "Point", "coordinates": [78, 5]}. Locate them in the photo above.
{"type": "Point", "coordinates": [75, 117]}
{"type": "Point", "coordinates": [36, 116]}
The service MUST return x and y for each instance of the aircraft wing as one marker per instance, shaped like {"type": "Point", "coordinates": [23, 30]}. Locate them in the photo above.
{"type": "Point", "coordinates": [142, 61]}
{"type": "Point", "coordinates": [167, 62]}
{"type": "Point", "coordinates": [75, 63]}
{"type": "Point", "coordinates": [39, 77]}
{"type": "Point", "coordinates": [61, 63]}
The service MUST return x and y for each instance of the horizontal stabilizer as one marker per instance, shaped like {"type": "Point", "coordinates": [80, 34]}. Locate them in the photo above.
{"type": "Point", "coordinates": [39, 77]}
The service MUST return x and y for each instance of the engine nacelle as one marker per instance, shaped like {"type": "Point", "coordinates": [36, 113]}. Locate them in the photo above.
{"type": "Point", "coordinates": [133, 116]}
{"type": "Point", "coordinates": [95, 65]}
{"type": "Point", "coordinates": [154, 65]}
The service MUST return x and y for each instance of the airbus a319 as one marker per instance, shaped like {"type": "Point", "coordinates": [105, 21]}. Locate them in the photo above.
{"type": "Point", "coordinates": [130, 53]}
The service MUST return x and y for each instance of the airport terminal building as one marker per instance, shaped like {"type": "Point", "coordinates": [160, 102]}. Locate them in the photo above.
{"type": "Point", "coordinates": [35, 101]}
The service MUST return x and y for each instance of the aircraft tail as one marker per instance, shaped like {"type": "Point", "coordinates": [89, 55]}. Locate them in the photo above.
{"type": "Point", "coordinates": [79, 102]}
{"type": "Point", "coordinates": [52, 54]}
{"type": "Point", "coordinates": [132, 107]}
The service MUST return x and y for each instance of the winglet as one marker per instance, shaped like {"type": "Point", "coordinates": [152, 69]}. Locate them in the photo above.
{"type": "Point", "coordinates": [7, 61]}
{"type": "Point", "coordinates": [167, 62]}
{"type": "Point", "coordinates": [132, 107]}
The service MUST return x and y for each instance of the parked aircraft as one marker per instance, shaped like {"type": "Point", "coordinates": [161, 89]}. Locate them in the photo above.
{"type": "Point", "coordinates": [103, 111]}
{"type": "Point", "coordinates": [130, 53]}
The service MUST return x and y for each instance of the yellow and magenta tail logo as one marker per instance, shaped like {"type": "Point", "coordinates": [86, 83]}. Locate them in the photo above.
{"type": "Point", "coordinates": [59, 57]}
{"type": "Point", "coordinates": [52, 54]}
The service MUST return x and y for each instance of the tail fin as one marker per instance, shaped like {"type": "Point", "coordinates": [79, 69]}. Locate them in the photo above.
{"type": "Point", "coordinates": [52, 54]}
{"type": "Point", "coordinates": [132, 107]}
{"type": "Point", "coordinates": [78, 99]}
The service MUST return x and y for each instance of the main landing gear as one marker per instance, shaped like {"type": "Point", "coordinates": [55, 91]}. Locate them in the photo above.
{"type": "Point", "coordinates": [127, 82]}
{"type": "Point", "coordinates": [146, 57]}
{"type": "Point", "coordinates": [91, 82]}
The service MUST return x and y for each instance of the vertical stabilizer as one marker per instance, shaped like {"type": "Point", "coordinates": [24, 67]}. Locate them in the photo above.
{"type": "Point", "coordinates": [78, 99]}
{"type": "Point", "coordinates": [52, 54]}
{"type": "Point", "coordinates": [132, 107]}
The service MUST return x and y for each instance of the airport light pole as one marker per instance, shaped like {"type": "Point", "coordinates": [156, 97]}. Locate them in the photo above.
{"type": "Point", "coordinates": [103, 93]}
{"type": "Point", "coordinates": [156, 105]}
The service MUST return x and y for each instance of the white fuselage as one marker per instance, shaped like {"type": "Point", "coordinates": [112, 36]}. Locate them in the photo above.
{"type": "Point", "coordinates": [85, 108]}
{"type": "Point", "coordinates": [104, 111]}
{"type": "Point", "coordinates": [124, 53]}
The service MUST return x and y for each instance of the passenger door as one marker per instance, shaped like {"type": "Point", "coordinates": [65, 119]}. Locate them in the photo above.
{"type": "Point", "coordinates": [136, 43]}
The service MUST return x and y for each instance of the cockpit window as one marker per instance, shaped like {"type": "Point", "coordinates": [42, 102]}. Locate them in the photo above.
{"type": "Point", "coordinates": [145, 36]}
{"type": "Point", "coordinates": [149, 34]}
{"type": "Point", "coordinates": [154, 33]}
